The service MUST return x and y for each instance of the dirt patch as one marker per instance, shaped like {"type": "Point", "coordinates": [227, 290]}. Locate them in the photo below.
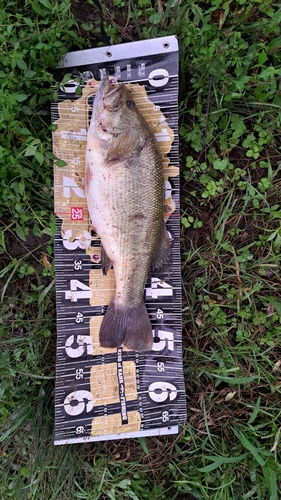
{"type": "Point", "coordinates": [35, 246]}
{"type": "Point", "coordinates": [105, 17]}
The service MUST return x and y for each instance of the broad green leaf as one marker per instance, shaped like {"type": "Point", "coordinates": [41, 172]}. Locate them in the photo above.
{"type": "Point", "coordinates": [25, 471]}
{"type": "Point", "coordinates": [262, 58]}
{"type": "Point", "coordinates": [21, 64]}
{"type": "Point", "coordinates": [124, 483]}
{"type": "Point", "coordinates": [220, 164]}
{"type": "Point", "coordinates": [239, 128]}
{"type": "Point", "coordinates": [29, 73]}
{"type": "Point", "coordinates": [267, 72]}
{"type": "Point", "coordinates": [47, 4]}
{"type": "Point", "coordinates": [274, 45]}
{"type": "Point", "coordinates": [271, 237]}
{"type": "Point", "coordinates": [60, 163]}
{"type": "Point", "coordinates": [20, 97]}
{"type": "Point", "coordinates": [20, 232]}
{"type": "Point", "coordinates": [39, 157]}
{"type": "Point", "coordinates": [29, 22]}
{"type": "Point", "coordinates": [24, 131]}
{"type": "Point", "coordinates": [155, 18]}
{"type": "Point", "coordinates": [248, 140]}
{"type": "Point", "coordinates": [30, 151]}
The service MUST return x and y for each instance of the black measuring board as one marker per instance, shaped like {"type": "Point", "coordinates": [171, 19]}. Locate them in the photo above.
{"type": "Point", "coordinates": [104, 393]}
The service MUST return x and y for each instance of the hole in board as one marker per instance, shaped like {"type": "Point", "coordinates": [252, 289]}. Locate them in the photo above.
{"type": "Point", "coordinates": [166, 45]}
{"type": "Point", "coordinates": [108, 53]}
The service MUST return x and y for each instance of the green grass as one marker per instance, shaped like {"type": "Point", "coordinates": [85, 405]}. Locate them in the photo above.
{"type": "Point", "coordinates": [230, 122]}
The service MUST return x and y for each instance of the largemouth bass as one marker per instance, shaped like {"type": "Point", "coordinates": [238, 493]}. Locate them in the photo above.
{"type": "Point", "coordinates": [124, 192]}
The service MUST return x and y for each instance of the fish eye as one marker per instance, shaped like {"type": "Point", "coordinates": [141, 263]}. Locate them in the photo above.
{"type": "Point", "coordinates": [130, 104]}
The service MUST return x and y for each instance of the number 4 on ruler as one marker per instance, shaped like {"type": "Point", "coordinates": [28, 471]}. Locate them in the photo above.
{"type": "Point", "coordinates": [74, 294]}
{"type": "Point", "coordinates": [159, 289]}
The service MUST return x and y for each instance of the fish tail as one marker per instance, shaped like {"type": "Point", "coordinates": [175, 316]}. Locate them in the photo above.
{"type": "Point", "coordinates": [130, 327]}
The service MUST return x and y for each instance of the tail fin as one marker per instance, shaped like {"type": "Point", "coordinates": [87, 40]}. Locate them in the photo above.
{"type": "Point", "coordinates": [130, 327]}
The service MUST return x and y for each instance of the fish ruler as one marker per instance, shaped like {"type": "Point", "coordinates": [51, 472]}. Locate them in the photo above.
{"type": "Point", "coordinates": [101, 393]}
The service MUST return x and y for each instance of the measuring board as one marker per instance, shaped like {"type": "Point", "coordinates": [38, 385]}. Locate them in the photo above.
{"type": "Point", "coordinates": [102, 393]}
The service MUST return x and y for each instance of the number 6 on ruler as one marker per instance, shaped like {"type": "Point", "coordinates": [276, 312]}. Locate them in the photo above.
{"type": "Point", "coordinates": [162, 394]}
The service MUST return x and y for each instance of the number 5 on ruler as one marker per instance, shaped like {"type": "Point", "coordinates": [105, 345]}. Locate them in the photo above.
{"type": "Point", "coordinates": [84, 346]}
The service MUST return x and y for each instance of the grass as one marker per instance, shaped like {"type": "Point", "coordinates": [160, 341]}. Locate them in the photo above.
{"type": "Point", "coordinates": [230, 123]}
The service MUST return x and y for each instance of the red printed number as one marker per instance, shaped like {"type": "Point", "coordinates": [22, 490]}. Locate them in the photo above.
{"type": "Point", "coordinates": [76, 213]}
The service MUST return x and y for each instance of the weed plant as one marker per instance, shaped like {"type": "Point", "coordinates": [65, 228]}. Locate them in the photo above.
{"type": "Point", "coordinates": [230, 121]}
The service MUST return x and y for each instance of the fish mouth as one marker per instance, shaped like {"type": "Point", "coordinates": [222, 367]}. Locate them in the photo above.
{"type": "Point", "coordinates": [110, 95]}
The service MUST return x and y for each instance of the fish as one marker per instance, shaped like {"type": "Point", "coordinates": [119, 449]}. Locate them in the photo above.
{"type": "Point", "coordinates": [124, 192]}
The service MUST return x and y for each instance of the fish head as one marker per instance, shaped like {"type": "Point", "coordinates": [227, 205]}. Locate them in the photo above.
{"type": "Point", "coordinates": [114, 111]}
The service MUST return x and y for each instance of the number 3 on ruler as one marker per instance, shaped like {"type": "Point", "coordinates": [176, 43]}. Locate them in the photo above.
{"type": "Point", "coordinates": [78, 242]}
